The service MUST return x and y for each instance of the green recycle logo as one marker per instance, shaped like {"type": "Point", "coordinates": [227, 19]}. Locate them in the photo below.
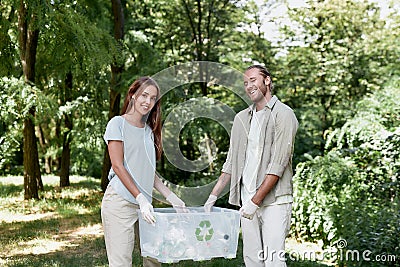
{"type": "Point", "coordinates": [204, 232]}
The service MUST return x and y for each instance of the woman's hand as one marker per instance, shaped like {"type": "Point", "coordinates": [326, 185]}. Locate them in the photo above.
{"type": "Point", "coordinates": [146, 209]}
{"type": "Point", "coordinates": [177, 203]}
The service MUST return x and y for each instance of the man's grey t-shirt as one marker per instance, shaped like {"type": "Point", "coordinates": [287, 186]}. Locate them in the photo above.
{"type": "Point", "coordinates": [139, 156]}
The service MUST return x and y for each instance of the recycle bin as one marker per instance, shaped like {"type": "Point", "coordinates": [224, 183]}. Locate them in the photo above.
{"type": "Point", "coordinates": [190, 236]}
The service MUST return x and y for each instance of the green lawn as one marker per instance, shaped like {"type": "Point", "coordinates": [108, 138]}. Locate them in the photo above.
{"type": "Point", "coordinates": [63, 228]}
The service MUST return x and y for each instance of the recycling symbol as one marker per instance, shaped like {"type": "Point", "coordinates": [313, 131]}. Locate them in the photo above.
{"type": "Point", "coordinates": [204, 232]}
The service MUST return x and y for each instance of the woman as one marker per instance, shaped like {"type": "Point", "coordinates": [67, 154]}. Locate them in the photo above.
{"type": "Point", "coordinates": [134, 144]}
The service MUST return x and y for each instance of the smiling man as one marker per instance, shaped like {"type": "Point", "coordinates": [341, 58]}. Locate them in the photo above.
{"type": "Point", "coordinates": [259, 168]}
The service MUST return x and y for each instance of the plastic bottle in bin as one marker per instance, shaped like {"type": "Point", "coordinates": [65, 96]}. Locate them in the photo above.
{"type": "Point", "coordinates": [153, 249]}
{"type": "Point", "coordinates": [175, 244]}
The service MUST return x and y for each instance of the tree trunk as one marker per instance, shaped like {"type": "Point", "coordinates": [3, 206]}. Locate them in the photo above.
{"type": "Point", "coordinates": [66, 153]}
{"type": "Point", "coordinates": [28, 36]}
{"type": "Point", "coordinates": [105, 170]}
{"type": "Point", "coordinates": [115, 95]}
{"type": "Point", "coordinates": [58, 138]}
{"type": "Point", "coordinates": [67, 137]}
{"type": "Point", "coordinates": [30, 157]}
{"type": "Point", "coordinates": [43, 146]}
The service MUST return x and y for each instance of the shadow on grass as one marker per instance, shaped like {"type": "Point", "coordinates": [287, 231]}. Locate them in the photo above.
{"type": "Point", "coordinates": [59, 218]}
{"type": "Point", "coordinates": [9, 190]}
{"type": "Point", "coordinates": [88, 253]}
{"type": "Point", "coordinates": [23, 231]}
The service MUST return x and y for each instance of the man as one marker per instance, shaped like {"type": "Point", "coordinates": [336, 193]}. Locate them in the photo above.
{"type": "Point", "coordinates": [259, 168]}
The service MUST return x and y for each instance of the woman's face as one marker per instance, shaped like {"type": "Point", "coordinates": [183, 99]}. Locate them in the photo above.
{"type": "Point", "coordinates": [145, 100]}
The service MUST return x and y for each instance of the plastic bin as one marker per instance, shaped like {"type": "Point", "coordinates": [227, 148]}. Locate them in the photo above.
{"type": "Point", "coordinates": [190, 236]}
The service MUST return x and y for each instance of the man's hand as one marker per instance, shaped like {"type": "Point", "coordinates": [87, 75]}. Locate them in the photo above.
{"type": "Point", "coordinates": [248, 210]}
{"type": "Point", "coordinates": [210, 203]}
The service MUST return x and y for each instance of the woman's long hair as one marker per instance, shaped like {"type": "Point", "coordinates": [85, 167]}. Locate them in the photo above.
{"type": "Point", "coordinates": [153, 118]}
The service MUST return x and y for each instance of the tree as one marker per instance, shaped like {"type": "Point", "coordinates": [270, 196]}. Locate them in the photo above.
{"type": "Point", "coordinates": [328, 65]}
{"type": "Point", "coordinates": [28, 36]}
{"type": "Point", "coordinates": [184, 31]}
{"type": "Point", "coordinates": [67, 137]}
{"type": "Point", "coordinates": [74, 74]}
{"type": "Point", "coordinates": [117, 67]}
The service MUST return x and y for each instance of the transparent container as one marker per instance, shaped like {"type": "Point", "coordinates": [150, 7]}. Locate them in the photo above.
{"type": "Point", "coordinates": [190, 236]}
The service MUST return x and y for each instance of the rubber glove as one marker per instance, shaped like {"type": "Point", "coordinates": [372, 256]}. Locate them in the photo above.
{"type": "Point", "coordinates": [146, 209]}
{"type": "Point", "coordinates": [177, 203]}
{"type": "Point", "coordinates": [248, 210]}
{"type": "Point", "coordinates": [210, 203]}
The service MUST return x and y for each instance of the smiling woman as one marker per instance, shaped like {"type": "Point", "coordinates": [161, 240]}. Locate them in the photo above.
{"type": "Point", "coordinates": [134, 144]}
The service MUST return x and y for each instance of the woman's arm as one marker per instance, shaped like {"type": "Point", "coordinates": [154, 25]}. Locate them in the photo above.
{"type": "Point", "coordinates": [116, 151]}
{"type": "Point", "coordinates": [170, 196]}
{"type": "Point", "coordinates": [161, 187]}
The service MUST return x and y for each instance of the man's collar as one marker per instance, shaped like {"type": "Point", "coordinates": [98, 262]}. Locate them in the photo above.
{"type": "Point", "coordinates": [270, 104]}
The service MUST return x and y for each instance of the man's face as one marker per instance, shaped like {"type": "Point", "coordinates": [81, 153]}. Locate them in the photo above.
{"type": "Point", "coordinates": [255, 84]}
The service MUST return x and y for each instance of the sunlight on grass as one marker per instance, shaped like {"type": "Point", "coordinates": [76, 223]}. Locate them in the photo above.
{"type": "Point", "coordinates": [8, 217]}
{"type": "Point", "coordinates": [63, 240]}
{"type": "Point", "coordinates": [64, 219]}
{"type": "Point", "coordinates": [68, 200]}
{"type": "Point", "coordinates": [41, 246]}
{"type": "Point", "coordinates": [64, 228]}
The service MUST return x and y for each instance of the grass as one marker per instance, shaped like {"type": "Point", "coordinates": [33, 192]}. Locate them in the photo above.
{"type": "Point", "coordinates": [64, 228]}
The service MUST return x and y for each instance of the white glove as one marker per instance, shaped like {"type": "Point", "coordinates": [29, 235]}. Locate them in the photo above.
{"type": "Point", "coordinates": [210, 203]}
{"type": "Point", "coordinates": [248, 210]}
{"type": "Point", "coordinates": [146, 208]}
{"type": "Point", "coordinates": [177, 203]}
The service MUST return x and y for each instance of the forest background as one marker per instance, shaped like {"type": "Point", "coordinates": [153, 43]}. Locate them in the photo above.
{"type": "Point", "coordinates": [66, 65]}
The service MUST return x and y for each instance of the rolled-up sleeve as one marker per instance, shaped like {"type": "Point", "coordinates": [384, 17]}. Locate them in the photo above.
{"type": "Point", "coordinates": [227, 166]}
{"type": "Point", "coordinates": [286, 125]}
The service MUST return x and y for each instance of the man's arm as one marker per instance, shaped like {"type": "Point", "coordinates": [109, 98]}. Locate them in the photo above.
{"type": "Point", "coordinates": [223, 180]}
{"type": "Point", "coordinates": [269, 182]}
{"type": "Point", "coordinates": [285, 130]}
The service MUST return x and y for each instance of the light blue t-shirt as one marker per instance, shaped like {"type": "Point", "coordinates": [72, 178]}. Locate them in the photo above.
{"type": "Point", "coordinates": [139, 156]}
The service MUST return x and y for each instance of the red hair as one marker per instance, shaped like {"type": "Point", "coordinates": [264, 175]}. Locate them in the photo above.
{"type": "Point", "coordinates": [153, 119]}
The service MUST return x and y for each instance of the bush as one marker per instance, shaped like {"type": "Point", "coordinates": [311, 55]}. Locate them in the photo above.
{"type": "Point", "coordinates": [353, 192]}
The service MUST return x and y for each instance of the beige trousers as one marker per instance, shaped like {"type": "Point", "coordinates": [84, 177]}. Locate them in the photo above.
{"type": "Point", "coordinates": [264, 236]}
{"type": "Point", "coordinates": [118, 217]}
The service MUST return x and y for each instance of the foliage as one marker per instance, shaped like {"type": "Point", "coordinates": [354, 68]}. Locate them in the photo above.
{"type": "Point", "coordinates": [331, 66]}
{"type": "Point", "coordinates": [8, 38]}
{"type": "Point", "coordinates": [71, 77]}
{"type": "Point", "coordinates": [15, 102]}
{"type": "Point", "coordinates": [321, 184]}
{"type": "Point", "coordinates": [353, 191]}
{"type": "Point", "coordinates": [192, 30]}
{"type": "Point", "coordinates": [332, 62]}
{"type": "Point", "coordinates": [250, 45]}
